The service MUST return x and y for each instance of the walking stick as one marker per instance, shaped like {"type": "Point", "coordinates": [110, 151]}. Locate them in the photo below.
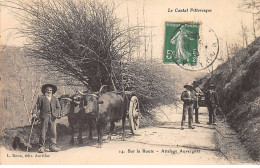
{"type": "Point", "coordinates": [197, 100]}
{"type": "Point", "coordinates": [30, 134]}
{"type": "Point", "coordinates": [29, 141]}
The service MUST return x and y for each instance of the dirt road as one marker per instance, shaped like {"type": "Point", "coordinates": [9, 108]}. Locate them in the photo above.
{"type": "Point", "coordinates": [162, 144]}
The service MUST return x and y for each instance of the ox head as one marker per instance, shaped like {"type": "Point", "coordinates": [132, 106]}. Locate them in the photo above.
{"type": "Point", "coordinates": [67, 103]}
{"type": "Point", "coordinates": [90, 102]}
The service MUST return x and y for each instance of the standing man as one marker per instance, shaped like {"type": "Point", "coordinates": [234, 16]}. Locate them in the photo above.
{"type": "Point", "coordinates": [188, 97]}
{"type": "Point", "coordinates": [49, 108]}
{"type": "Point", "coordinates": [211, 98]}
{"type": "Point", "coordinates": [198, 93]}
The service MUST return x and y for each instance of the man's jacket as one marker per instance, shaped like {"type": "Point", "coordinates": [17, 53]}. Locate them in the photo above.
{"type": "Point", "coordinates": [211, 97]}
{"type": "Point", "coordinates": [185, 97]}
{"type": "Point", "coordinates": [47, 107]}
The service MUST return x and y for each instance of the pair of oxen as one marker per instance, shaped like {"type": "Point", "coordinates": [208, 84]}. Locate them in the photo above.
{"type": "Point", "coordinates": [99, 108]}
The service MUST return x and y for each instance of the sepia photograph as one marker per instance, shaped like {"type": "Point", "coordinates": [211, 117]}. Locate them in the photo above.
{"type": "Point", "coordinates": [129, 82]}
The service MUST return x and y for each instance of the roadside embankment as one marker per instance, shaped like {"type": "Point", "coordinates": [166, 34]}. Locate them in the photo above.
{"type": "Point", "coordinates": [237, 83]}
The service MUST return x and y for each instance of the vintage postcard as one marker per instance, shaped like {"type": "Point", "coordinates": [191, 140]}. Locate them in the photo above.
{"type": "Point", "coordinates": [129, 82]}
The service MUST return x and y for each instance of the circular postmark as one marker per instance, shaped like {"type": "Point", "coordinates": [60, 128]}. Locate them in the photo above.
{"type": "Point", "coordinates": [192, 46]}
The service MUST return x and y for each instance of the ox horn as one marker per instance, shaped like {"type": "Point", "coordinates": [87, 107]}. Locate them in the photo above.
{"type": "Point", "coordinates": [77, 102]}
{"type": "Point", "coordinates": [80, 92]}
{"type": "Point", "coordinates": [101, 89]}
{"type": "Point", "coordinates": [77, 96]}
{"type": "Point", "coordinates": [93, 95]}
{"type": "Point", "coordinates": [66, 98]}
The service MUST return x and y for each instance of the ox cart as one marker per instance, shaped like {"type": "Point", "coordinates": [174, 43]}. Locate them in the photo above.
{"type": "Point", "coordinates": [133, 112]}
{"type": "Point", "coordinates": [101, 107]}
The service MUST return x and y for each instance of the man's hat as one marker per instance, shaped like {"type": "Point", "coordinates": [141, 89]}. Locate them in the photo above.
{"type": "Point", "coordinates": [54, 88]}
{"type": "Point", "coordinates": [195, 83]}
{"type": "Point", "coordinates": [188, 85]}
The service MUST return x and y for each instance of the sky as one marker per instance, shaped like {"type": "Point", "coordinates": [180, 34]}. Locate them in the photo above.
{"type": "Point", "coordinates": [225, 19]}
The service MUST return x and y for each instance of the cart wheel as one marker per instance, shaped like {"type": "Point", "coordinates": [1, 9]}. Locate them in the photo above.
{"type": "Point", "coordinates": [134, 114]}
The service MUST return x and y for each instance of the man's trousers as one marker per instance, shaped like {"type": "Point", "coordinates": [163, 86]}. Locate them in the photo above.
{"type": "Point", "coordinates": [187, 108]}
{"type": "Point", "coordinates": [212, 113]}
{"type": "Point", "coordinates": [48, 125]}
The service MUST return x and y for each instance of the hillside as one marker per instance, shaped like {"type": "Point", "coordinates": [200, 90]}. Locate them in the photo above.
{"type": "Point", "coordinates": [21, 80]}
{"type": "Point", "coordinates": [237, 83]}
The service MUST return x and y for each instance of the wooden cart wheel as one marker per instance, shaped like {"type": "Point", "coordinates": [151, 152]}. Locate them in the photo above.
{"type": "Point", "coordinates": [134, 114]}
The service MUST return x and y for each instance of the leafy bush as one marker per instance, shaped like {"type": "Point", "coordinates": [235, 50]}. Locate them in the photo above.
{"type": "Point", "coordinates": [152, 82]}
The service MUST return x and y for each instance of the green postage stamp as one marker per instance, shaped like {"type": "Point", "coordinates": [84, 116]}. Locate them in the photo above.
{"type": "Point", "coordinates": [181, 43]}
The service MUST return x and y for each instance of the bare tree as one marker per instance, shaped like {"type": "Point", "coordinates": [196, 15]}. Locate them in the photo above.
{"type": "Point", "coordinates": [144, 31]}
{"type": "Point", "coordinates": [252, 7]}
{"type": "Point", "coordinates": [229, 58]}
{"type": "Point", "coordinates": [244, 34]}
{"type": "Point", "coordinates": [85, 40]}
{"type": "Point", "coordinates": [21, 81]}
{"type": "Point", "coordinates": [78, 38]}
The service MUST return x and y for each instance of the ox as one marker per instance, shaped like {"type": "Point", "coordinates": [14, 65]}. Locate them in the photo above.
{"type": "Point", "coordinates": [107, 107]}
{"type": "Point", "coordinates": [70, 106]}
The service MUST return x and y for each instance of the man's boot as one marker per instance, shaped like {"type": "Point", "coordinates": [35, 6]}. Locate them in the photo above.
{"type": "Point", "coordinates": [41, 149]}
{"type": "Point", "coordinates": [53, 148]}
